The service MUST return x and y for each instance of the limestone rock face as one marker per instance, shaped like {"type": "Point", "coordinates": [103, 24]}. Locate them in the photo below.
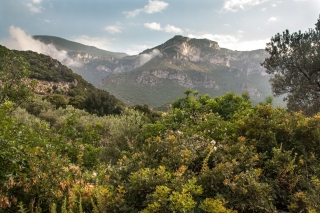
{"type": "Point", "coordinates": [151, 78]}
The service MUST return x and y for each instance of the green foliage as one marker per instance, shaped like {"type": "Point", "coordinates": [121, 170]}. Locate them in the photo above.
{"type": "Point", "coordinates": [293, 64]}
{"type": "Point", "coordinates": [57, 100]}
{"type": "Point", "coordinates": [151, 115]}
{"type": "Point", "coordinates": [14, 71]}
{"type": "Point", "coordinates": [215, 206]}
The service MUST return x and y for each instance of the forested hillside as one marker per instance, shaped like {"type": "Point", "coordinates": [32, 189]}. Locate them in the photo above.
{"type": "Point", "coordinates": [60, 86]}
{"type": "Point", "coordinates": [214, 155]}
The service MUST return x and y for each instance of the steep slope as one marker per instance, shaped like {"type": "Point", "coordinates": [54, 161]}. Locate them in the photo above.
{"type": "Point", "coordinates": [57, 79]}
{"type": "Point", "coordinates": [199, 64]}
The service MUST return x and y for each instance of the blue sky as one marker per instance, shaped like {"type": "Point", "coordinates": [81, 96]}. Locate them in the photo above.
{"type": "Point", "coordinates": [132, 26]}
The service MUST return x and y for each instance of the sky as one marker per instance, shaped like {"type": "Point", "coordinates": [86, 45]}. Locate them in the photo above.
{"type": "Point", "coordinates": [131, 26]}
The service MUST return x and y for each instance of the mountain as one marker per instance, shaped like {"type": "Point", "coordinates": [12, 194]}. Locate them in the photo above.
{"type": "Point", "coordinates": [183, 63]}
{"type": "Point", "coordinates": [75, 48]}
{"type": "Point", "coordinates": [95, 64]}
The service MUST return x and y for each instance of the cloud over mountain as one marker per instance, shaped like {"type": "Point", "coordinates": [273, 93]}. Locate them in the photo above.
{"type": "Point", "coordinates": [144, 58]}
{"type": "Point", "coordinates": [19, 40]}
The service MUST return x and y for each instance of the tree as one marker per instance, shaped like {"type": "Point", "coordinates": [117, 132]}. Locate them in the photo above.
{"type": "Point", "coordinates": [57, 100]}
{"type": "Point", "coordinates": [294, 65]}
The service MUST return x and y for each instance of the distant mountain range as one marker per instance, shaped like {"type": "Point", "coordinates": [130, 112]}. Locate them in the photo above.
{"type": "Point", "coordinates": [161, 74]}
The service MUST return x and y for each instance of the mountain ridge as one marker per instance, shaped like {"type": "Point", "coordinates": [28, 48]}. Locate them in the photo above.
{"type": "Point", "coordinates": [72, 46]}
{"type": "Point", "coordinates": [185, 63]}
{"type": "Point", "coordinates": [166, 70]}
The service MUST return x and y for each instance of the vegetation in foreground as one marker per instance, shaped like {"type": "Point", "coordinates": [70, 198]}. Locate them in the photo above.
{"type": "Point", "coordinates": [216, 155]}
{"type": "Point", "coordinates": [204, 155]}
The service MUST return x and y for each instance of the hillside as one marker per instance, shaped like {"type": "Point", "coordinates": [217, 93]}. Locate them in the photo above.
{"type": "Point", "coordinates": [57, 81]}
{"type": "Point", "coordinates": [199, 64]}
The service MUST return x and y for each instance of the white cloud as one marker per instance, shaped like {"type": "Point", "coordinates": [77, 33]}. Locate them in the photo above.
{"type": "Point", "coordinates": [172, 29]}
{"type": "Point", "coordinates": [227, 25]}
{"type": "Point", "coordinates": [272, 19]}
{"type": "Point", "coordinates": [273, 5]}
{"type": "Point", "coordinates": [144, 58]}
{"type": "Point", "coordinates": [133, 13]}
{"type": "Point", "coordinates": [136, 49]}
{"type": "Point", "coordinates": [233, 42]}
{"type": "Point", "coordinates": [235, 5]}
{"type": "Point", "coordinates": [98, 42]}
{"type": "Point", "coordinates": [153, 26]}
{"type": "Point", "coordinates": [34, 8]}
{"type": "Point", "coordinates": [154, 6]}
{"type": "Point", "coordinates": [19, 40]}
{"type": "Point", "coordinates": [36, 1]}
{"type": "Point", "coordinates": [46, 20]}
{"type": "Point", "coordinates": [168, 29]}
{"type": "Point", "coordinates": [113, 29]}
{"type": "Point", "coordinates": [264, 9]}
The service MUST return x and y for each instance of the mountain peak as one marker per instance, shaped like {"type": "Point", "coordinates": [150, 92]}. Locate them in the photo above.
{"type": "Point", "coordinates": [194, 42]}
{"type": "Point", "coordinates": [180, 47]}
{"type": "Point", "coordinates": [200, 42]}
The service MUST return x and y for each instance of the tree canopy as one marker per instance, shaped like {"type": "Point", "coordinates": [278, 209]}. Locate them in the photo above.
{"type": "Point", "coordinates": [294, 65]}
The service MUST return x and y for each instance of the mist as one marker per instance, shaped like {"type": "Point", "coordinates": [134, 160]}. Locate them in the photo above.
{"type": "Point", "coordinates": [19, 40]}
{"type": "Point", "coordinates": [144, 58]}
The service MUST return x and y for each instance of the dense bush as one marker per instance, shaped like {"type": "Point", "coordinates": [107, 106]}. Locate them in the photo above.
{"type": "Point", "coordinates": [201, 156]}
